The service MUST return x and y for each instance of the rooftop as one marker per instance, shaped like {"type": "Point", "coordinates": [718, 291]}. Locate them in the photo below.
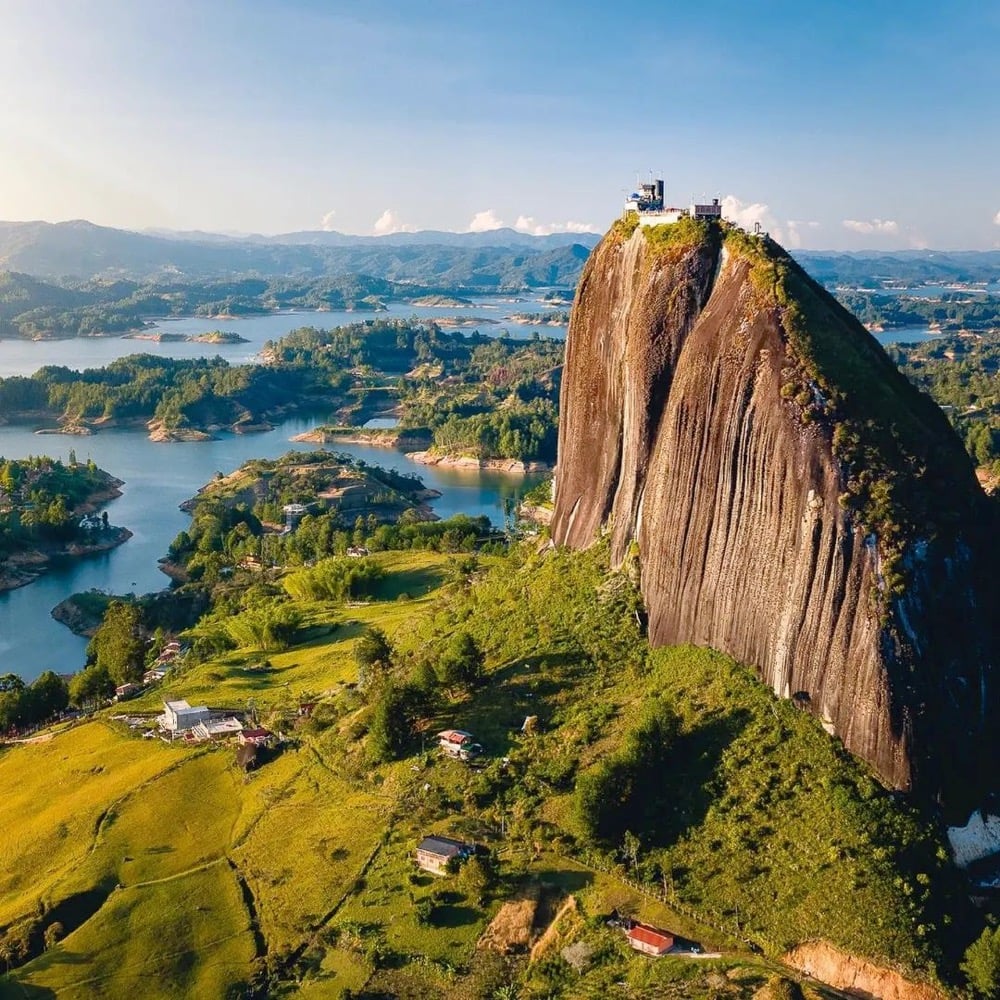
{"type": "Point", "coordinates": [443, 847]}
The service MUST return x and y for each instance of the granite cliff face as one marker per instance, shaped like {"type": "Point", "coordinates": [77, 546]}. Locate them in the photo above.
{"type": "Point", "coordinates": [793, 501]}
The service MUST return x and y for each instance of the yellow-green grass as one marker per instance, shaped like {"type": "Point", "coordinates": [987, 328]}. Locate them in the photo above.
{"type": "Point", "coordinates": [186, 937]}
{"type": "Point", "coordinates": [54, 794]}
{"type": "Point", "coordinates": [338, 970]}
{"type": "Point", "coordinates": [306, 850]}
{"type": "Point", "coordinates": [306, 670]}
{"type": "Point", "coordinates": [385, 899]}
{"type": "Point", "coordinates": [182, 820]}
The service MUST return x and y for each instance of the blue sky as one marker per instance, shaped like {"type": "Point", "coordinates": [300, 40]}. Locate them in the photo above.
{"type": "Point", "coordinates": [838, 125]}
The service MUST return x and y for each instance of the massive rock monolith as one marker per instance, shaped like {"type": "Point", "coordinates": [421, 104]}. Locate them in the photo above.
{"type": "Point", "coordinates": [793, 501]}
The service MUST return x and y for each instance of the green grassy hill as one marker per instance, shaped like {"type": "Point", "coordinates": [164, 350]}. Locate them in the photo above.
{"type": "Point", "coordinates": [172, 874]}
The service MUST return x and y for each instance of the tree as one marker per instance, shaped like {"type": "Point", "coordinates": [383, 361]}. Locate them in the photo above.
{"type": "Point", "coordinates": [373, 654]}
{"type": "Point", "coordinates": [393, 720]}
{"type": "Point", "coordinates": [476, 878]}
{"type": "Point", "coordinates": [49, 695]}
{"type": "Point", "coordinates": [90, 685]}
{"type": "Point", "coordinates": [118, 645]}
{"type": "Point", "coordinates": [461, 662]}
{"type": "Point", "coordinates": [981, 964]}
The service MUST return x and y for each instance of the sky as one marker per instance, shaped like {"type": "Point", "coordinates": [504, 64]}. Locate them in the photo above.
{"type": "Point", "coordinates": [851, 125]}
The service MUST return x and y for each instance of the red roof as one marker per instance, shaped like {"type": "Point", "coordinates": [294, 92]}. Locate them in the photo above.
{"type": "Point", "coordinates": [256, 734]}
{"type": "Point", "coordinates": [651, 936]}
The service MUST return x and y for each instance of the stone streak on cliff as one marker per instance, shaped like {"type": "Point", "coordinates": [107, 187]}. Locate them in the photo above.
{"type": "Point", "coordinates": [675, 435]}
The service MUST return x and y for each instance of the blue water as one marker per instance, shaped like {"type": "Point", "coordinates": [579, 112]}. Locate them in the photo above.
{"type": "Point", "coordinates": [157, 478]}
{"type": "Point", "coordinates": [21, 357]}
{"type": "Point", "coordinates": [907, 335]}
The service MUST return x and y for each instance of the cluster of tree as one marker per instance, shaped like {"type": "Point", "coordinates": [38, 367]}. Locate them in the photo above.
{"type": "Point", "coordinates": [952, 310]}
{"type": "Point", "coordinates": [402, 696]}
{"type": "Point", "coordinates": [335, 579]}
{"type": "Point", "coordinates": [23, 706]}
{"type": "Point", "coordinates": [960, 373]}
{"type": "Point", "coordinates": [524, 431]}
{"type": "Point", "coordinates": [38, 498]}
{"type": "Point", "coordinates": [181, 393]}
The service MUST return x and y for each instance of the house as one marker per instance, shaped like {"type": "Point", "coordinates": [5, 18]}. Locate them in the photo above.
{"type": "Point", "coordinates": [180, 716]}
{"type": "Point", "coordinates": [216, 729]}
{"type": "Point", "coordinates": [256, 737]}
{"type": "Point", "coordinates": [357, 551]}
{"type": "Point", "coordinates": [125, 691]}
{"type": "Point", "coordinates": [458, 743]}
{"type": "Point", "coordinates": [154, 675]}
{"type": "Point", "coordinates": [649, 940]}
{"type": "Point", "coordinates": [435, 853]}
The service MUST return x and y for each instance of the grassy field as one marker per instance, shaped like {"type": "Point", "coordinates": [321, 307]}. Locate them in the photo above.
{"type": "Point", "coordinates": [60, 791]}
{"type": "Point", "coordinates": [174, 874]}
{"type": "Point", "coordinates": [187, 936]}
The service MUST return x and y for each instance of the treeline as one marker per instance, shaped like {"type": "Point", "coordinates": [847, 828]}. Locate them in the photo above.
{"type": "Point", "coordinates": [952, 310]}
{"type": "Point", "coordinates": [25, 706]}
{"type": "Point", "coordinates": [189, 392]}
{"type": "Point", "coordinates": [32, 308]}
{"type": "Point", "coordinates": [961, 375]}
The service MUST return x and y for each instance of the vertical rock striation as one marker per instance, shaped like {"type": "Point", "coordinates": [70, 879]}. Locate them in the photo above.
{"type": "Point", "coordinates": [795, 503]}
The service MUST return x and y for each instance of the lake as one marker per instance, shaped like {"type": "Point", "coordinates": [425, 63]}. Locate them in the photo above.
{"type": "Point", "coordinates": [157, 478]}
{"type": "Point", "coordinates": [25, 357]}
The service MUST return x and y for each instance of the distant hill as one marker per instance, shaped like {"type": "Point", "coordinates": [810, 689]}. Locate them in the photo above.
{"type": "Point", "coordinates": [80, 250]}
{"type": "Point", "coordinates": [910, 266]}
{"type": "Point", "coordinates": [504, 259]}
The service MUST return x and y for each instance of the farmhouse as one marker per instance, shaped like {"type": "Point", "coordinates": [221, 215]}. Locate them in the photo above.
{"type": "Point", "coordinates": [434, 853]}
{"type": "Point", "coordinates": [256, 737]}
{"type": "Point", "coordinates": [214, 729]}
{"type": "Point", "coordinates": [458, 743]}
{"type": "Point", "coordinates": [649, 940]}
{"type": "Point", "coordinates": [180, 716]}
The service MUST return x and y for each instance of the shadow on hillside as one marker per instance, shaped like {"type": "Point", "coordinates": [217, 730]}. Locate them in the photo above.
{"type": "Point", "coordinates": [684, 792]}
{"type": "Point", "coordinates": [567, 880]}
{"type": "Point", "coordinates": [12, 988]}
{"type": "Point", "coordinates": [451, 915]}
{"type": "Point", "coordinates": [515, 691]}
{"type": "Point", "coordinates": [412, 582]}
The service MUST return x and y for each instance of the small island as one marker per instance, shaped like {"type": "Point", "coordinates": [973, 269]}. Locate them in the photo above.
{"type": "Point", "coordinates": [558, 317]}
{"type": "Point", "coordinates": [441, 301]}
{"type": "Point", "coordinates": [166, 337]}
{"type": "Point", "coordinates": [48, 511]}
{"type": "Point", "coordinates": [403, 438]}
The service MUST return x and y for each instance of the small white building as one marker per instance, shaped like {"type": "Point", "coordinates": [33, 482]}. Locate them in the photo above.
{"type": "Point", "coordinates": [179, 716]}
{"type": "Point", "coordinates": [215, 729]}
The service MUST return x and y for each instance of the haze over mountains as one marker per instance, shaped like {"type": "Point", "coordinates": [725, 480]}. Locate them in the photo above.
{"type": "Point", "coordinates": [495, 259]}
{"type": "Point", "coordinates": [79, 250]}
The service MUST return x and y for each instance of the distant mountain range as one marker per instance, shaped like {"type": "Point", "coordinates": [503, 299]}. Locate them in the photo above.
{"type": "Point", "coordinates": [501, 258]}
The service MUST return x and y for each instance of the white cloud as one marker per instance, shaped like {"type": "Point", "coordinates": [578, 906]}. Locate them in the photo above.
{"type": "Point", "coordinates": [880, 227]}
{"type": "Point", "coordinates": [388, 222]}
{"type": "Point", "coordinates": [483, 222]}
{"type": "Point", "coordinates": [748, 214]}
{"type": "Point", "coordinates": [326, 223]}
{"type": "Point", "coordinates": [996, 219]}
{"type": "Point", "coordinates": [528, 224]}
